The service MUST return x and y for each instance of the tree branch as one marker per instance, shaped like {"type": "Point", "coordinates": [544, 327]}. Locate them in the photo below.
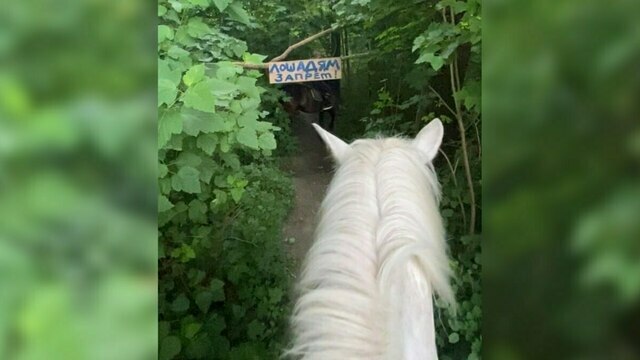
{"type": "Point", "coordinates": [443, 102]}
{"type": "Point", "coordinates": [465, 155]}
{"type": "Point", "coordinates": [354, 56]}
{"type": "Point", "coordinates": [266, 65]}
{"type": "Point", "coordinates": [455, 183]}
{"type": "Point", "coordinates": [455, 88]}
{"type": "Point", "coordinates": [301, 43]}
{"type": "Point", "coordinates": [251, 66]}
{"type": "Point", "coordinates": [293, 47]}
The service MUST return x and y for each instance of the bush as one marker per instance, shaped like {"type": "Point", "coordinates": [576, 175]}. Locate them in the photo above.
{"type": "Point", "coordinates": [223, 270]}
{"type": "Point", "coordinates": [225, 287]}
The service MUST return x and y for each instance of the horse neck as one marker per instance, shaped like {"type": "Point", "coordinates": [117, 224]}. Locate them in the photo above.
{"type": "Point", "coordinates": [377, 222]}
{"type": "Point", "coordinates": [338, 315]}
{"type": "Point", "coordinates": [382, 192]}
{"type": "Point", "coordinates": [412, 260]}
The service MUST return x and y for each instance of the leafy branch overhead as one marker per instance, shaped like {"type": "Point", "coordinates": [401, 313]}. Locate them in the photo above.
{"type": "Point", "coordinates": [257, 62]}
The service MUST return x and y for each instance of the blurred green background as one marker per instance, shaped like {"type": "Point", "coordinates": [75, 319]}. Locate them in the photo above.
{"type": "Point", "coordinates": [561, 102]}
{"type": "Point", "coordinates": [561, 258]}
{"type": "Point", "coordinates": [78, 180]}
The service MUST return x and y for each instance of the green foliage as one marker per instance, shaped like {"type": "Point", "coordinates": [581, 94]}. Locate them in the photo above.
{"type": "Point", "coordinates": [77, 215]}
{"type": "Point", "coordinates": [224, 277]}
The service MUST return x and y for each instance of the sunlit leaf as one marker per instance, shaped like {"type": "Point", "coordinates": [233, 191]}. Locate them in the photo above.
{"type": "Point", "coordinates": [221, 4]}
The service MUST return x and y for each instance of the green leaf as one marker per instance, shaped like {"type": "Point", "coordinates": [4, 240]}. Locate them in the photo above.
{"type": "Point", "coordinates": [469, 95]}
{"type": "Point", "coordinates": [236, 194]}
{"type": "Point", "coordinates": [201, 347]}
{"type": "Point", "coordinates": [456, 6]}
{"type": "Point", "coordinates": [195, 122]}
{"type": "Point", "coordinates": [249, 103]}
{"type": "Point", "coordinates": [255, 329]}
{"type": "Point", "coordinates": [169, 347]}
{"type": "Point", "coordinates": [187, 179]}
{"type": "Point", "coordinates": [238, 13]}
{"type": "Point", "coordinates": [239, 48]}
{"type": "Point", "coordinates": [170, 122]}
{"type": "Point", "coordinates": [177, 52]}
{"type": "Point", "coordinates": [193, 75]}
{"type": "Point", "coordinates": [163, 329]}
{"type": "Point", "coordinates": [248, 119]}
{"type": "Point", "coordinates": [197, 28]}
{"type": "Point", "coordinates": [247, 136]}
{"type": "Point", "coordinates": [165, 186]}
{"type": "Point", "coordinates": [172, 15]}
{"type": "Point", "coordinates": [180, 304]}
{"type": "Point", "coordinates": [220, 198]}
{"type": "Point", "coordinates": [161, 10]}
{"type": "Point", "coordinates": [165, 71]}
{"type": "Point", "coordinates": [253, 58]}
{"type": "Point", "coordinates": [183, 37]}
{"type": "Point", "coordinates": [222, 87]}
{"type": "Point", "coordinates": [168, 81]}
{"type": "Point", "coordinates": [204, 300]}
{"type": "Point", "coordinates": [226, 70]}
{"type": "Point", "coordinates": [454, 338]}
{"type": "Point", "coordinates": [184, 253]}
{"type": "Point", "coordinates": [207, 143]}
{"type": "Point", "coordinates": [215, 324]}
{"type": "Point", "coordinates": [217, 290]}
{"type": "Point", "coordinates": [231, 160]}
{"type": "Point", "coordinates": [175, 143]}
{"type": "Point", "coordinates": [176, 5]}
{"type": "Point", "coordinates": [275, 295]}
{"type": "Point", "coordinates": [163, 203]}
{"type": "Point", "coordinates": [191, 330]}
{"type": "Point", "coordinates": [221, 4]}
{"type": "Point", "coordinates": [248, 86]}
{"type": "Point", "coordinates": [167, 92]}
{"type": "Point", "coordinates": [235, 106]}
{"type": "Point", "coordinates": [164, 33]}
{"type": "Point", "coordinates": [437, 63]}
{"type": "Point", "coordinates": [163, 170]}
{"type": "Point", "coordinates": [435, 60]}
{"type": "Point", "coordinates": [207, 169]}
{"type": "Point", "coordinates": [187, 158]}
{"type": "Point", "coordinates": [201, 3]}
{"type": "Point", "coordinates": [267, 141]}
{"type": "Point", "coordinates": [200, 97]}
{"type": "Point", "coordinates": [198, 211]}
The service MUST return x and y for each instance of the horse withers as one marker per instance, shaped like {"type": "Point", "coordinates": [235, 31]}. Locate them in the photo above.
{"type": "Point", "coordinates": [379, 254]}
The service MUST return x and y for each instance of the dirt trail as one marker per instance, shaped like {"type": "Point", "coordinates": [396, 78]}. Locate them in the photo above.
{"type": "Point", "coordinates": [312, 171]}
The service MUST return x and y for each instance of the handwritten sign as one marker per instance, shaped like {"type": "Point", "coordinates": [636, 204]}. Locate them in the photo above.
{"type": "Point", "coordinates": [283, 72]}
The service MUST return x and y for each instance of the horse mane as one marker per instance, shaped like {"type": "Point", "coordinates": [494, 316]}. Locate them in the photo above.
{"type": "Point", "coordinates": [378, 257]}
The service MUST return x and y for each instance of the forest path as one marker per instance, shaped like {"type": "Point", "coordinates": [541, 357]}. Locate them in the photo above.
{"type": "Point", "coordinates": [312, 172]}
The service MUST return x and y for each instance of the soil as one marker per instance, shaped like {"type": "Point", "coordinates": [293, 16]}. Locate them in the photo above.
{"type": "Point", "coordinates": [312, 171]}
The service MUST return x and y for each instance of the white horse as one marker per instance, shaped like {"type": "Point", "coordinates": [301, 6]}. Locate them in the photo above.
{"type": "Point", "coordinates": [379, 256]}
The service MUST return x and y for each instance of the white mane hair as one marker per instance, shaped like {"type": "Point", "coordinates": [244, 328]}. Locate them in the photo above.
{"type": "Point", "coordinates": [379, 255]}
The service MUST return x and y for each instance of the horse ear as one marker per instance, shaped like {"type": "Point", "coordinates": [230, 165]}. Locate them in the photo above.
{"type": "Point", "coordinates": [338, 148]}
{"type": "Point", "coordinates": [429, 139]}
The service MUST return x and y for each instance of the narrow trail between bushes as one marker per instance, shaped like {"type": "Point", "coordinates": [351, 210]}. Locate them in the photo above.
{"type": "Point", "coordinates": [312, 171]}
